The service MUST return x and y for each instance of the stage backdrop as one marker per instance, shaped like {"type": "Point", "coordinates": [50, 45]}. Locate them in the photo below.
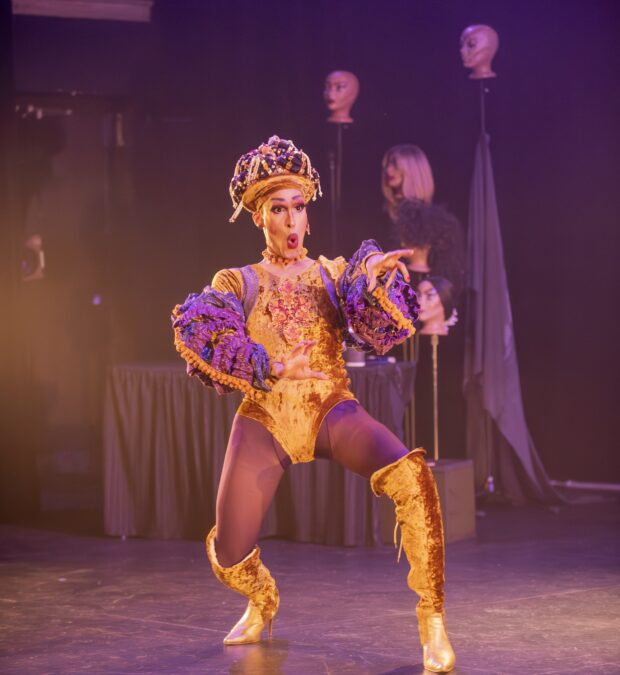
{"type": "Point", "coordinates": [206, 81]}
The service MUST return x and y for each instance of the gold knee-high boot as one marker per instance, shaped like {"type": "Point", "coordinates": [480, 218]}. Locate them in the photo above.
{"type": "Point", "coordinates": [251, 579]}
{"type": "Point", "coordinates": [409, 483]}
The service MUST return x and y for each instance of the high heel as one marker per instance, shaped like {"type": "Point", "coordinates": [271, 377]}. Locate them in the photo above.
{"type": "Point", "coordinates": [437, 653]}
{"type": "Point", "coordinates": [249, 627]}
{"type": "Point", "coordinates": [251, 579]}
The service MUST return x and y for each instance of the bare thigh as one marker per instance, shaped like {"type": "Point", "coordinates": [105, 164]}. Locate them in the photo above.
{"type": "Point", "coordinates": [253, 467]}
{"type": "Point", "coordinates": [357, 441]}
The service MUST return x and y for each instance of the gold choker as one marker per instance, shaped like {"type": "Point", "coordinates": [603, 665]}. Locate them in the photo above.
{"type": "Point", "coordinates": [276, 259]}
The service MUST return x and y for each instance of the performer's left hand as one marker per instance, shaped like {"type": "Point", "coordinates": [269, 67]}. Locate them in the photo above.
{"type": "Point", "coordinates": [382, 263]}
{"type": "Point", "coordinates": [296, 364]}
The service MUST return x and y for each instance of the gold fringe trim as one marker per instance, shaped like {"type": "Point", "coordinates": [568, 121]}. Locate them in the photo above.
{"type": "Point", "coordinates": [388, 306]}
{"type": "Point", "coordinates": [222, 378]}
{"type": "Point", "coordinates": [235, 215]}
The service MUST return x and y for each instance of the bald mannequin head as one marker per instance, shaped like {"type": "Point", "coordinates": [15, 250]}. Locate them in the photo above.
{"type": "Point", "coordinates": [341, 91]}
{"type": "Point", "coordinates": [478, 47]}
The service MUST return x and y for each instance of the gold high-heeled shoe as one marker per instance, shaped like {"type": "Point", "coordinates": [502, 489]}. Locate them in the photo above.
{"type": "Point", "coordinates": [409, 483]}
{"type": "Point", "coordinates": [437, 653]}
{"type": "Point", "coordinates": [249, 627]}
{"type": "Point", "coordinates": [251, 579]}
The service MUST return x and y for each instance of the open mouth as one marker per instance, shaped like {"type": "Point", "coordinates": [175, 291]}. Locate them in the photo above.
{"type": "Point", "coordinates": [292, 241]}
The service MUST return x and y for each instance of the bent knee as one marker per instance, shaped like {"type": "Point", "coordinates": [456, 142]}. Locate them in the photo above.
{"type": "Point", "coordinates": [230, 550]}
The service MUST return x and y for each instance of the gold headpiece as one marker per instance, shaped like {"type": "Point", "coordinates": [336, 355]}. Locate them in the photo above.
{"type": "Point", "coordinates": [262, 169]}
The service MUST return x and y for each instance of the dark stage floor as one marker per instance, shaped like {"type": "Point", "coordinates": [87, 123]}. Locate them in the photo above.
{"type": "Point", "coordinates": [537, 593]}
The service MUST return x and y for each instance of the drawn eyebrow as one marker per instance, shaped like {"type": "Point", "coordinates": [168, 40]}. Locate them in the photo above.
{"type": "Point", "coordinates": [297, 198]}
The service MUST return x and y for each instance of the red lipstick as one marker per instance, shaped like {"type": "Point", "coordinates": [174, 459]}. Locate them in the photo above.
{"type": "Point", "coordinates": [292, 240]}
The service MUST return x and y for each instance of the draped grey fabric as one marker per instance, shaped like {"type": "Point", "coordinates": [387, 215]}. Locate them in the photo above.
{"type": "Point", "coordinates": [498, 439]}
{"type": "Point", "coordinates": [165, 437]}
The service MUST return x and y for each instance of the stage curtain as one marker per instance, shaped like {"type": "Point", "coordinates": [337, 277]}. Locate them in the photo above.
{"type": "Point", "coordinates": [498, 439]}
{"type": "Point", "coordinates": [165, 435]}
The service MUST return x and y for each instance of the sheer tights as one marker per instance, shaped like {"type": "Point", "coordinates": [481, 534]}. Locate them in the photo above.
{"type": "Point", "coordinates": [255, 462]}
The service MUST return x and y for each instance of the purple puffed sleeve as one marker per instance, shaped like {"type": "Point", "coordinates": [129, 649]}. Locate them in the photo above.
{"type": "Point", "coordinates": [379, 320]}
{"type": "Point", "coordinates": [209, 333]}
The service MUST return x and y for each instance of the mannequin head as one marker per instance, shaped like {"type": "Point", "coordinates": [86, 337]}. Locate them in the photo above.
{"type": "Point", "coordinates": [436, 298]}
{"type": "Point", "coordinates": [406, 174]}
{"type": "Point", "coordinates": [341, 91]}
{"type": "Point", "coordinates": [478, 47]}
{"type": "Point", "coordinates": [33, 258]}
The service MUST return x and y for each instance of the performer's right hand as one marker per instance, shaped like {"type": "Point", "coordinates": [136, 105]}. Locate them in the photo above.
{"type": "Point", "coordinates": [296, 364]}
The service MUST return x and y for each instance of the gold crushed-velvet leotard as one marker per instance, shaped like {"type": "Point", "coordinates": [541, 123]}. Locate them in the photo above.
{"type": "Point", "coordinates": [288, 310]}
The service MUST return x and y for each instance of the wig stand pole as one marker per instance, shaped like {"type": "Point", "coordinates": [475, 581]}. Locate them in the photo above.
{"type": "Point", "coordinates": [335, 176]}
{"type": "Point", "coordinates": [483, 120]}
{"type": "Point", "coordinates": [489, 483]}
{"type": "Point", "coordinates": [435, 346]}
{"type": "Point", "coordinates": [410, 351]}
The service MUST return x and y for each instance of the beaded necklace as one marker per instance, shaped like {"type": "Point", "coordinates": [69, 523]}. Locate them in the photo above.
{"type": "Point", "coordinates": [276, 259]}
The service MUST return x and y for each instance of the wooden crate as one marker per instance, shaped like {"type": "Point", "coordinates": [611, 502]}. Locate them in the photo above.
{"type": "Point", "coordinates": [455, 483]}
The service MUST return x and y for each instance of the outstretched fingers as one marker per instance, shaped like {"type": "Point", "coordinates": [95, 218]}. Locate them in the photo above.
{"type": "Point", "coordinates": [317, 374]}
{"type": "Point", "coordinates": [299, 348]}
{"type": "Point", "coordinates": [297, 362]}
{"type": "Point", "coordinates": [400, 253]}
{"type": "Point", "coordinates": [400, 267]}
{"type": "Point", "coordinates": [390, 279]}
{"type": "Point", "coordinates": [309, 346]}
{"type": "Point", "coordinates": [390, 263]}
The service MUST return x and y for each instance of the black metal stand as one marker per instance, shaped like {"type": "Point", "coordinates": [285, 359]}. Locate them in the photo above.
{"type": "Point", "coordinates": [335, 184]}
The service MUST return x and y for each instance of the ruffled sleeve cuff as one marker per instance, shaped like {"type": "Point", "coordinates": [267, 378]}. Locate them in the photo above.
{"type": "Point", "coordinates": [381, 319]}
{"type": "Point", "coordinates": [209, 333]}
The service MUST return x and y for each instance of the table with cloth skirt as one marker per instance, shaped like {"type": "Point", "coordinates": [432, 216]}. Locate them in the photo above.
{"type": "Point", "coordinates": [164, 440]}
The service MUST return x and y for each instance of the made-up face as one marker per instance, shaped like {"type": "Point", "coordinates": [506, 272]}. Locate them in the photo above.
{"type": "Point", "coordinates": [393, 175]}
{"type": "Point", "coordinates": [284, 220]}
{"type": "Point", "coordinates": [341, 90]}
{"type": "Point", "coordinates": [478, 47]}
{"type": "Point", "coordinates": [431, 307]}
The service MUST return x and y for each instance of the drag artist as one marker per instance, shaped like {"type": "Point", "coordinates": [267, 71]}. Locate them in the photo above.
{"type": "Point", "coordinates": [275, 330]}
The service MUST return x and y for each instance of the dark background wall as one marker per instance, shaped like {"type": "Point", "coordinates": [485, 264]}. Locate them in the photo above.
{"type": "Point", "coordinates": [205, 82]}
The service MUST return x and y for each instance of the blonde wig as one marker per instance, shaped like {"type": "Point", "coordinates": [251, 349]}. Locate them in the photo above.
{"type": "Point", "coordinates": [418, 184]}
